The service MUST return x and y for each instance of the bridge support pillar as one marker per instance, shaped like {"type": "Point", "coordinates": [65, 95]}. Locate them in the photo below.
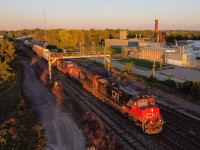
{"type": "Point", "coordinates": [49, 68]}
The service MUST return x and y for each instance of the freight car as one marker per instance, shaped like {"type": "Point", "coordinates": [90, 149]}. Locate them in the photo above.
{"type": "Point", "coordinates": [41, 51]}
{"type": "Point", "coordinates": [139, 108]}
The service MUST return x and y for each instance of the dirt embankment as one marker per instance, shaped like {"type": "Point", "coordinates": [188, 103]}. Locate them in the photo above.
{"type": "Point", "coordinates": [95, 131]}
{"type": "Point", "coordinates": [61, 131]}
{"type": "Point", "coordinates": [19, 127]}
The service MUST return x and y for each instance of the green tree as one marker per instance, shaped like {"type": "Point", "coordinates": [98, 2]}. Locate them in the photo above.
{"type": "Point", "coordinates": [196, 90]}
{"type": "Point", "coordinates": [129, 67]}
{"type": "Point", "coordinates": [5, 73]}
{"type": "Point", "coordinates": [63, 37]}
{"type": "Point", "coordinates": [53, 38]}
{"type": "Point", "coordinates": [39, 34]}
{"type": "Point", "coordinates": [6, 56]}
{"type": "Point", "coordinates": [10, 34]}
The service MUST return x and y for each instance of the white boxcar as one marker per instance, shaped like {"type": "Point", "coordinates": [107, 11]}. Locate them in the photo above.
{"type": "Point", "coordinates": [41, 51]}
{"type": "Point", "coordinates": [46, 54]}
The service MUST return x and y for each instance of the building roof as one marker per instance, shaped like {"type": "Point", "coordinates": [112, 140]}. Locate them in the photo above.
{"type": "Point", "coordinates": [158, 48]}
{"type": "Point", "coordinates": [192, 52]}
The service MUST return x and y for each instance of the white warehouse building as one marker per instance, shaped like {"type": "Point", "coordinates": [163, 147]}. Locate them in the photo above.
{"type": "Point", "coordinates": [183, 58]}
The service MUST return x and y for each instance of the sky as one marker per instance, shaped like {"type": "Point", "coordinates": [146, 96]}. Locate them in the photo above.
{"type": "Point", "coordinates": [100, 14]}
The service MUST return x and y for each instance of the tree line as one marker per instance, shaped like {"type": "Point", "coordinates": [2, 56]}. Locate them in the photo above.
{"type": "Point", "coordinates": [182, 35]}
{"type": "Point", "coordinates": [70, 39]}
{"type": "Point", "coordinates": [7, 55]}
{"type": "Point", "coordinates": [66, 39]}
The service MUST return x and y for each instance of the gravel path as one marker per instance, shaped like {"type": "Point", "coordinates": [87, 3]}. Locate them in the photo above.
{"type": "Point", "coordinates": [61, 131]}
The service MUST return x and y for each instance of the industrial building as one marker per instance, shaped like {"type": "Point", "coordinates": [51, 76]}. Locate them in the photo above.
{"type": "Point", "coordinates": [187, 59]}
{"type": "Point", "coordinates": [151, 53]}
{"type": "Point", "coordinates": [186, 55]}
{"type": "Point", "coordinates": [177, 56]}
{"type": "Point", "coordinates": [123, 41]}
{"type": "Point", "coordinates": [151, 49]}
{"type": "Point", "coordinates": [158, 37]}
{"type": "Point", "coordinates": [189, 44]}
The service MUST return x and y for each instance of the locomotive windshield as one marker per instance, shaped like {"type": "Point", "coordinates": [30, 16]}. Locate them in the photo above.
{"type": "Point", "coordinates": [143, 104]}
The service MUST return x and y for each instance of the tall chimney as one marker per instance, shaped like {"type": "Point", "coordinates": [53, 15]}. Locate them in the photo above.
{"type": "Point", "coordinates": [156, 26]}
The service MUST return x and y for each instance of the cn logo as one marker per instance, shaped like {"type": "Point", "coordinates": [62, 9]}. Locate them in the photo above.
{"type": "Point", "coordinates": [115, 95]}
{"type": "Point", "coordinates": [151, 115]}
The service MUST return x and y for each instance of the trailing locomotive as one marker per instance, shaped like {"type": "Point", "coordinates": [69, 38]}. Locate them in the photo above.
{"type": "Point", "coordinates": [139, 108]}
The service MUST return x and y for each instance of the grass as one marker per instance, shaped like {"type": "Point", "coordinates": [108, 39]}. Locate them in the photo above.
{"type": "Point", "coordinates": [19, 128]}
{"type": "Point", "coordinates": [169, 86]}
{"type": "Point", "coordinates": [115, 50]}
{"type": "Point", "coordinates": [144, 63]}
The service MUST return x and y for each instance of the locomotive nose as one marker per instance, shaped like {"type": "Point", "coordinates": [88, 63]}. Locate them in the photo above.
{"type": "Point", "coordinates": [151, 114]}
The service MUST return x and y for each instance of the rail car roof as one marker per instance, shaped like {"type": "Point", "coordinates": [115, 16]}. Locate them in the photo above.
{"type": "Point", "coordinates": [128, 90]}
{"type": "Point", "coordinates": [69, 62]}
{"type": "Point", "coordinates": [110, 81]}
{"type": "Point", "coordinates": [103, 80]}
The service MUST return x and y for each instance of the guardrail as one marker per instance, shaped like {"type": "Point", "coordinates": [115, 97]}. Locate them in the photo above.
{"type": "Point", "coordinates": [86, 53]}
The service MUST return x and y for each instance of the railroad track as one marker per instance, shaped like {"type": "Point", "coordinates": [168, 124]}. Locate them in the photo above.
{"type": "Point", "coordinates": [188, 124]}
{"type": "Point", "coordinates": [80, 95]}
{"type": "Point", "coordinates": [89, 100]}
{"type": "Point", "coordinates": [186, 136]}
{"type": "Point", "coordinates": [182, 126]}
{"type": "Point", "coordinates": [185, 130]}
{"type": "Point", "coordinates": [168, 143]}
{"type": "Point", "coordinates": [121, 128]}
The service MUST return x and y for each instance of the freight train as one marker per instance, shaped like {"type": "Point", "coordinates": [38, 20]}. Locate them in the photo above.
{"type": "Point", "coordinates": [140, 108]}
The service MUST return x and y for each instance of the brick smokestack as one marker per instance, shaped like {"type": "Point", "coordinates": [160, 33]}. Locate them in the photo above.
{"type": "Point", "coordinates": [156, 26]}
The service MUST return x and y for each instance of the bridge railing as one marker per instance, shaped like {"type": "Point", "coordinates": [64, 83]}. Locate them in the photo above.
{"type": "Point", "coordinates": [89, 53]}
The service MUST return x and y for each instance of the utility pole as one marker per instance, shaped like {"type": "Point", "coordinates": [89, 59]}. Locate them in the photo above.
{"type": "Point", "coordinates": [168, 74]}
{"type": "Point", "coordinates": [161, 65]}
{"type": "Point", "coordinates": [105, 50]}
{"type": "Point", "coordinates": [45, 31]}
{"type": "Point", "coordinates": [154, 66]}
{"type": "Point", "coordinates": [82, 48]}
{"type": "Point", "coordinates": [100, 44]}
{"type": "Point", "coordinates": [93, 47]}
{"type": "Point", "coordinates": [161, 60]}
